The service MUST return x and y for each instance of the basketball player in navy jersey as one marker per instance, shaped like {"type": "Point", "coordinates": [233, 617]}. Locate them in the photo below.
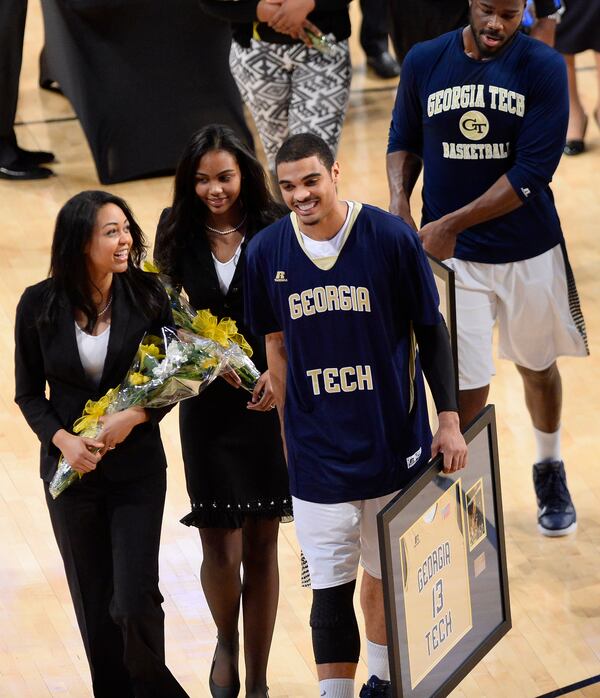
{"type": "Point", "coordinates": [340, 289]}
{"type": "Point", "coordinates": [484, 110]}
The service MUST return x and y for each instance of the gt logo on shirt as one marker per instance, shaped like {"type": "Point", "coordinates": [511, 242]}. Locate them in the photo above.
{"type": "Point", "coordinates": [345, 380]}
{"type": "Point", "coordinates": [474, 125]}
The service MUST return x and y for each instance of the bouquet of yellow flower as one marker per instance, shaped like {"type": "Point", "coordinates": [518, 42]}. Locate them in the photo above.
{"type": "Point", "coordinates": [237, 351]}
{"type": "Point", "coordinates": [165, 370]}
{"type": "Point", "coordinates": [204, 323]}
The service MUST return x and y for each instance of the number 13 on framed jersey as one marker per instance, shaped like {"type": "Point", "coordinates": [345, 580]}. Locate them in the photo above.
{"type": "Point", "coordinates": [435, 577]}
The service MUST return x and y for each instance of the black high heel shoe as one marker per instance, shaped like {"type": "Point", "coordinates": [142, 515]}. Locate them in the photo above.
{"type": "Point", "coordinates": [576, 146]}
{"type": "Point", "coordinates": [230, 691]}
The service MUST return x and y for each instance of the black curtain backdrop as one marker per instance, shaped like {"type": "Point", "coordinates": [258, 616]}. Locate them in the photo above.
{"type": "Point", "coordinates": [142, 76]}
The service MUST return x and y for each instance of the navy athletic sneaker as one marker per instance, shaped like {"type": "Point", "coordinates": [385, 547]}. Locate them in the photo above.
{"type": "Point", "coordinates": [556, 513]}
{"type": "Point", "coordinates": [376, 688]}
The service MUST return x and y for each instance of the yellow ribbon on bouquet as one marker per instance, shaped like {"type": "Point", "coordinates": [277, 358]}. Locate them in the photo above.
{"type": "Point", "coordinates": [93, 410]}
{"type": "Point", "coordinates": [222, 331]}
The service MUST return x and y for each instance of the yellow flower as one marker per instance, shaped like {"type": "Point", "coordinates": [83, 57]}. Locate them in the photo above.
{"type": "Point", "coordinates": [210, 363]}
{"type": "Point", "coordinates": [138, 378]}
{"type": "Point", "coordinates": [150, 350]}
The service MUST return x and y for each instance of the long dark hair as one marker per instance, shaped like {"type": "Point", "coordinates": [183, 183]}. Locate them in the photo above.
{"type": "Point", "coordinates": [68, 268]}
{"type": "Point", "coordinates": [188, 214]}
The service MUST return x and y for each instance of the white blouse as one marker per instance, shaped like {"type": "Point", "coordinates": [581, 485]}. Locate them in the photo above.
{"type": "Point", "coordinates": [226, 270]}
{"type": "Point", "coordinates": [92, 352]}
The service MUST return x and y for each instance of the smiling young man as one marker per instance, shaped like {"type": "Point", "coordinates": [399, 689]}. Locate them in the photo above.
{"type": "Point", "coordinates": [484, 109]}
{"type": "Point", "coordinates": [340, 289]}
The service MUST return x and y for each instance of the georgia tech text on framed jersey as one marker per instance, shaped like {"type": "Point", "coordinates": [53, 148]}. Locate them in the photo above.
{"type": "Point", "coordinates": [443, 564]}
{"type": "Point", "coordinates": [435, 576]}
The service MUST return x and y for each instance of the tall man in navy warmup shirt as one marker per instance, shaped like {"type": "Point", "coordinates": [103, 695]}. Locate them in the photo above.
{"type": "Point", "coordinates": [484, 109]}
{"type": "Point", "coordinates": [339, 288]}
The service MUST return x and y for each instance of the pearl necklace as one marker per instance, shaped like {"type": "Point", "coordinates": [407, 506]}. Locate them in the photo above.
{"type": "Point", "coordinates": [106, 307]}
{"type": "Point", "coordinates": [228, 231]}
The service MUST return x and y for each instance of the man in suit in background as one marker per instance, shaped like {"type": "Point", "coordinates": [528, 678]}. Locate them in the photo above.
{"type": "Point", "coordinates": [15, 163]}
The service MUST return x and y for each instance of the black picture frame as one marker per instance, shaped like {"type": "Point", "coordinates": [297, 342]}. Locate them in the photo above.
{"type": "Point", "coordinates": [485, 566]}
{"type": "Point", "coordinates": [445, 284]}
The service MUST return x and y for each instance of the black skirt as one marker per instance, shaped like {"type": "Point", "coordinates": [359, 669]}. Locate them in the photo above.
{"type": "Point", "coordinates": [233, 459]}
{"type": "Point", "coordinates": [579, 29]}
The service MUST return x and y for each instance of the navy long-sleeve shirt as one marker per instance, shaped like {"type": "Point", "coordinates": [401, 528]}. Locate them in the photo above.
{"type": "Point", "coordinates": [472, 122]}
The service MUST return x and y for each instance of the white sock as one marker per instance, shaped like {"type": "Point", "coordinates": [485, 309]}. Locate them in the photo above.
{"type": "Point", "coordinates": [337, 688]}
{"type": "Point", "coordinates": [377, 661]}
{"type": "Point", "coordinates": [548, 445]}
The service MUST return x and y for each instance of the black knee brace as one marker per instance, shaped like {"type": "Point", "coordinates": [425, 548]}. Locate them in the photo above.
{"type": "Point", "coordinates": [335, 633]}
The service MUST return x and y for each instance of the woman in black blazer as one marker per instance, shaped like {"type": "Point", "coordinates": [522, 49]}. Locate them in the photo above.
{"type": "Point", "coordinates": [235, 468]}
{"type": "Point", "coordinates": [77, 333]}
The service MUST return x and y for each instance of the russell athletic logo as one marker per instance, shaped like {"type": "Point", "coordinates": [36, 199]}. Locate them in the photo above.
{"type": "Point", "coordinates": [474, 125]}
{"type": "Point", "coordinates": [280, 276]}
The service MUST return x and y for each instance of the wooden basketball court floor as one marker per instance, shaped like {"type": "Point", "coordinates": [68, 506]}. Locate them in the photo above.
{"type": "Point", "coordinates": [554, 584]}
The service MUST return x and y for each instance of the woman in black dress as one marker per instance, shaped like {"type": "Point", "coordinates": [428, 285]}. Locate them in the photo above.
{"type": "Point", "coordinates": [77, 332]}
{"type": "Point", "coordinates": [232, 451]}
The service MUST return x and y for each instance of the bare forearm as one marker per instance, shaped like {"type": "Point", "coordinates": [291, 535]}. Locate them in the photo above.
{"type": "Point", "coordinates": [403, 169]}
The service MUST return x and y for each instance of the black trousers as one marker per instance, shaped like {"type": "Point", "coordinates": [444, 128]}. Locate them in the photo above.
{"type": "Point", "coordinates": [419, 20]}
{"type": "Point", "coordinates": [12, 31]}
{"type": "Point", "coordinates": [109, 534]}
{"type": "Point", "coordinates": [374, 26]}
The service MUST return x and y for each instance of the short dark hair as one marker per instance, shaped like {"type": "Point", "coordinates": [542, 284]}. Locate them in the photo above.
{"type": "Point", "coordinates": [305, 145]}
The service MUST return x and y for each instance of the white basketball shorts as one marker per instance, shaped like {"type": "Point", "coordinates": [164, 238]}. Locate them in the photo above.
{"type": "Point", "coordinates": [335, 537]}
{"type": "Point", "coordinates": [536, 305]}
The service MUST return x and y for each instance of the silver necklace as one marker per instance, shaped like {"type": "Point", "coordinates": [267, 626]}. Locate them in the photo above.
{"type": "Point", "coordinates": [106, 307]}
{"type": "Point", "coordinates": [228, 231]}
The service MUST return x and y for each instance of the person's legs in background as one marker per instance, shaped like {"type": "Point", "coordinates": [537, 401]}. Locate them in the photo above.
{"type": "Point", "coordinates": [15, 163]}
{"type": "Point", "coordinates": [263, 76]}
{"type": "Point", "coordinates": [320, 92]}
{"type": "Point", "coordinates": [412, 21]}
{"type": "Point", "coordinates": [577, 117]}
{"type": "Point", "coordinates": [374, 30]}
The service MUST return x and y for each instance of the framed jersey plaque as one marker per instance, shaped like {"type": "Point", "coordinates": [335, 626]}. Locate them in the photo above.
{"type": "Point", "coordinates": [444, 569]}
{"type": "Point", "coordinates": [444, 281]}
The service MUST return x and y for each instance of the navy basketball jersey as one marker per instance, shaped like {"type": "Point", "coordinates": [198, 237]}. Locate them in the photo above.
{"type": "Point", "coordinates": [355, 413]}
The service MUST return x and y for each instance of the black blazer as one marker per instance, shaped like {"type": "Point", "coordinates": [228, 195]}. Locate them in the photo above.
{"type": "Point", "coordinates": [49, 355]}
